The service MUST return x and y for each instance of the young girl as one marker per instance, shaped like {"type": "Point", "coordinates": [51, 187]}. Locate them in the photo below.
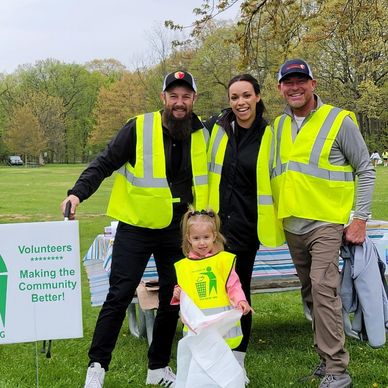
{"type": "Point", "coordinates": [207, 273]}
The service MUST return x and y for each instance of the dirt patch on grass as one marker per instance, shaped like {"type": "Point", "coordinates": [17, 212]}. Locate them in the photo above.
{"type": "Point", "coordinates": [26, 218]}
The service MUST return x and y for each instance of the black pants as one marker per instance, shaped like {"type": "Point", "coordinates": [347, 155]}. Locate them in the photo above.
{"type": "Point", "coordinates": [244, 268]}
{"type": "Point", "coordinates": [131, 250]}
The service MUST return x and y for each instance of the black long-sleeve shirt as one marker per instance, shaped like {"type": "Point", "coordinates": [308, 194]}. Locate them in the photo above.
{"type": "Point", "coordinates": [238, 189]}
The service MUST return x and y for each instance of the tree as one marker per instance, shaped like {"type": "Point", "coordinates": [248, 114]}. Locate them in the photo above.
{"type": "Point", "coordinates": [110, 68]}
{"type": "Point", "coordinates": [215, 62]}
{"type": "Point", "coordinates": [262, 39]}
{"type": "Point", "coordinates": [49, 111]}
{"type": "Point", "coordinates": [115, 105]}
{"type": "Point", "coordinates": [352, 55]}
{"type": "Point", "coordinates": [24, 135]}
{"type": "Point", "coordinates": [348, 53]}
{"type": "Point", "coordinates": [76, 87]}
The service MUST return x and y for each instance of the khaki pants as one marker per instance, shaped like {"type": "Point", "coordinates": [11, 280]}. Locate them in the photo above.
{"type": "Point", "coordinates": [316, 256]}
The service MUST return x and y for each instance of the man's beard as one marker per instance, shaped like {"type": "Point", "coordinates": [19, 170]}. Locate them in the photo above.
{"type": "Point", "coordinates": [179, 129]}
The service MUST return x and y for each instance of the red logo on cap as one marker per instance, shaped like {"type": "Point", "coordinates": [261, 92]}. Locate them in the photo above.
{"type": "Point", "coordinates": [295, 66]}
{"type": "Point", "coordinates": [179, 75]}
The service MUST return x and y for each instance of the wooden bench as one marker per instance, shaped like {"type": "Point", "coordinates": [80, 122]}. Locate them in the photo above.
{"type": "Point", "coordinates": [33, 164]}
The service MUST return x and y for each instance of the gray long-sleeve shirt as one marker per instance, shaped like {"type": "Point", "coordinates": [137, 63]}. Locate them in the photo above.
{"type": "Point", "coordinates": [348, 148]}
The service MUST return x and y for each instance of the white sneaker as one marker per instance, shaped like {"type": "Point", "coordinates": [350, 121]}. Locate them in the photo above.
{"type": "Point", "coordinates": [246, 378]}
{"type": "Point", "coordinates": [164, 377]}
{"type": "Point", "coordinates": [95, 376]}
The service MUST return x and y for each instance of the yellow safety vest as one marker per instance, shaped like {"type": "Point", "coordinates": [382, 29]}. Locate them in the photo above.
{"type": "Point", "coordinates": [141, 195]}
{"type": "Point", "coordinates": [269, 229]}
{"type": "Point", "coordinates": [304, 182]}
{"type": "Point", "coordinates": [204, 281]}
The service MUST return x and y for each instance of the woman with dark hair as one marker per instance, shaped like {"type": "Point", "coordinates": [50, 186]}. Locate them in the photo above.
{"type": "Point", "coordinates": [233, 160]}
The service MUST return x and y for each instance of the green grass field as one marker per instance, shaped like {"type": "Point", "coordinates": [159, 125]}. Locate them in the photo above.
{"type": "Point", "coordinates": [281, 348]}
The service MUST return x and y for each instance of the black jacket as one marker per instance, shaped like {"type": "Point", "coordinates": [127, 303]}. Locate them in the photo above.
{"type": "Point", "coordinates": [122, 149]}
{"type": "Point", "coordinates": [238, 193]}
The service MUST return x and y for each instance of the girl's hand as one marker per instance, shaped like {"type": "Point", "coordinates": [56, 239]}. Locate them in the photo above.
{"type": "Point", "coordinates": [177, 293]}
{"type": "Point", "coordinates": [243, 305]}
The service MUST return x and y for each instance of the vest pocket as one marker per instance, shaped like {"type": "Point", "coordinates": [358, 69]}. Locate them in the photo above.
{"type": "Point", "coordinates": [149, 211]}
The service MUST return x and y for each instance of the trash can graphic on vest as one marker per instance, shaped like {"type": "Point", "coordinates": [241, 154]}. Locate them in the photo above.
{"type": "Point", "coordinates": [200, 285]}
{"type": "Point", "coordinates": [206, 284]}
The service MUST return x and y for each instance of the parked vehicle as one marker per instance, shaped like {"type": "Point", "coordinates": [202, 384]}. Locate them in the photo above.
{"type": "Point", "coordinates": [15, 160]}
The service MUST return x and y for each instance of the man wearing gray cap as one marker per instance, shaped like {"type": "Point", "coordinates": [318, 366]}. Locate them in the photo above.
{"type": "Point", "coordinates": [161, 164]}
{"type": "Point", "coordinates": [318, 152]}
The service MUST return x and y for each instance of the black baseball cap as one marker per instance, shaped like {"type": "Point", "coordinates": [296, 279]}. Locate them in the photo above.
{"type": "Point", "coordinates": [180, 75]}
{"type": "Point", "coordinates": [294, 66]}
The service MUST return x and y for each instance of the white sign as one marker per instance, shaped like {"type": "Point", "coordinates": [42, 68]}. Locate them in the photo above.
{"type": "Point", "coordinates": [40, 282]}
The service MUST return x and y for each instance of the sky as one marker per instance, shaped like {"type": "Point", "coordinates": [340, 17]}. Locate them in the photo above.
{"type": "Point", "coordinates": [78, 31]}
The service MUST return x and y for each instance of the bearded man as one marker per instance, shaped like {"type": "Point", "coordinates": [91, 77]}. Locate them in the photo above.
{"type": "Point", "coordinates": [161, 165]}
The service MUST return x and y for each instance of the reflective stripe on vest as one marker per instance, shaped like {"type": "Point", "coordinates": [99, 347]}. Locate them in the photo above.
{"type": "Point", "coordinates": [146, 179]}
{"type": "Point", "coordinates": [199, 141]}
{"type": "Point", "coordinates": [204, 281]}
{"type": "Point", "coordinates": [141, 195]}
{"type": "Point", "coordinates": [305, 184]}
{"type": "Point", "coordinates": [269, 227]}
{"type": "Point", "coordinates": [216, 154]}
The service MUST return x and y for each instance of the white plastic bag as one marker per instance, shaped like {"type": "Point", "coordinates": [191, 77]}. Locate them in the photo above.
{"type": "Point", "coordinates": [204, 359]}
